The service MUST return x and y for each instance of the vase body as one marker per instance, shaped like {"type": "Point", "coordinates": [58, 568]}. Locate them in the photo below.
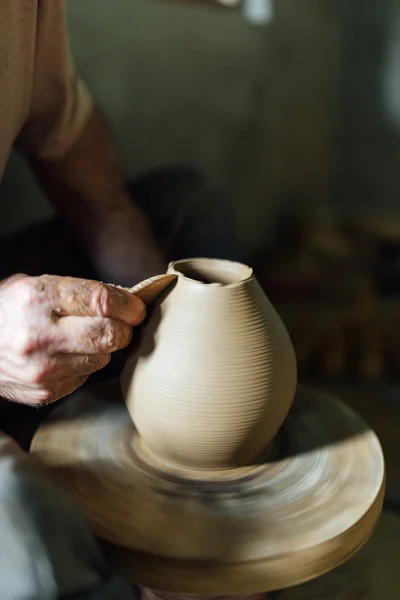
{"type": "Point", "coordinates": [214, 375]}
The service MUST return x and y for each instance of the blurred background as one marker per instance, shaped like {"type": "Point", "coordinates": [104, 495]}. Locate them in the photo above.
{"type": "Point", "coordinates": [292, 109]}
{"type": "Point", "coordinates": [303, 109]}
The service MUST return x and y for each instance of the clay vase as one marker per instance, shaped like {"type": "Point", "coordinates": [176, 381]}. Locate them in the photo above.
{"type": "Point", "coordinates": [214, 374]}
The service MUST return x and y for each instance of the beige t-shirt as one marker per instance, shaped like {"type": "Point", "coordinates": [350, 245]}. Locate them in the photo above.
{"type": "Point", "coordinates": [43, 103]}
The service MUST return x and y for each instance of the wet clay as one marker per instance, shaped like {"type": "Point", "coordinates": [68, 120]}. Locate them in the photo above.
{"type": "Point", "coordinates": [215, 373]}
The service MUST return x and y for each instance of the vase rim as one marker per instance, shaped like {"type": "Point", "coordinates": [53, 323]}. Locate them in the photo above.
{"type": "Point", "coordinates": [212, 271]}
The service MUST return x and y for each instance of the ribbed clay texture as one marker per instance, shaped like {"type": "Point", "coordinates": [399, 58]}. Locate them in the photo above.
{"type": "Point", "coordinates": [214, 375]}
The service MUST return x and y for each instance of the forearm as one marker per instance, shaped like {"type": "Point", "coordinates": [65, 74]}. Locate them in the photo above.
{"type": "Point", "coordinates": [87, 188]}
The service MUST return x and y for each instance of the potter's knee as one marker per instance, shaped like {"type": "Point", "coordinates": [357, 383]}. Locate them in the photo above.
{"type": "Point", "coordinates": [8, 447]}
{"type": "Point", "coordinates": [16, 469]}
{"type": "Point", "coordinates": [11, 458]}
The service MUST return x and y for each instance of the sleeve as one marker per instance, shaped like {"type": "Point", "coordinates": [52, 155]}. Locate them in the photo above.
{"type": "Point", "coordinates": [60, 103]}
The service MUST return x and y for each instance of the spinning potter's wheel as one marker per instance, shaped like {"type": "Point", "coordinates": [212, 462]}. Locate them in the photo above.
{"type": "Point", "coordinates": [209, 473]}
{"type": "Point", "coordinates": [309, 504]}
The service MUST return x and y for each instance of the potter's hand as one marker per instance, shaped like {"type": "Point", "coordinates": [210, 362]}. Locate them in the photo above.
{"type": "Point", "coordinates": [56, 331]}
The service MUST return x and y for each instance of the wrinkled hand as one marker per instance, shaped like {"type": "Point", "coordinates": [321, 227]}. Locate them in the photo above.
{"type": "Point", "coordinates": [56, 331]}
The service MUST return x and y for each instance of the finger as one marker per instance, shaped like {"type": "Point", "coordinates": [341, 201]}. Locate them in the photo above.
{"type": "Point", "coordinates": [88, 335]}
{"type": "Point", "coordinates": [65, 387]}
{"type": "Point", "coordinates": [45, 370]}
{"type": "Point", "coordinates": [23, 394]}
{"type": "Point", "coordinates": [69, 296]}
{"type": "Point", "coordinates": [13, 279]}
{"type": "Point", "coordinates": [58, 390]}
{"type": "Point", "coordinates": [78, 364]}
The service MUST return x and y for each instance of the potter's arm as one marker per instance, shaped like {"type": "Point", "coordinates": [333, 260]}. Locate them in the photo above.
{"type": "Point", "coordinates": [75, 160]}
{"type": "Point", "coordinates": [87, 187]}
